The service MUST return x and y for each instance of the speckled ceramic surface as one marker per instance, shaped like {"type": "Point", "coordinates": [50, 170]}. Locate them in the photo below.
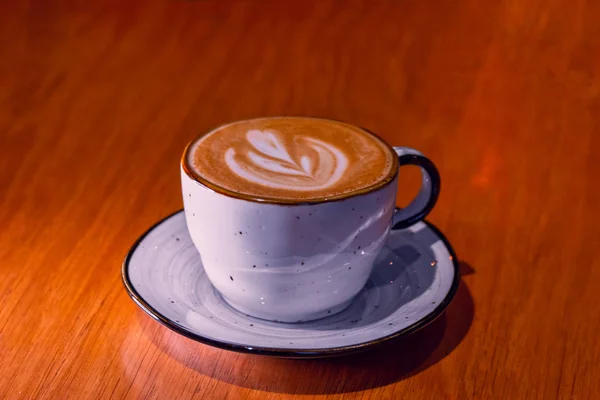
{"type": "Point", "coordinates": [415, 277]}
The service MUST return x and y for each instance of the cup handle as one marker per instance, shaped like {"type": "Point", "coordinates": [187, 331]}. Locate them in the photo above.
{"type": "Point", "coordinates": [428, 194]}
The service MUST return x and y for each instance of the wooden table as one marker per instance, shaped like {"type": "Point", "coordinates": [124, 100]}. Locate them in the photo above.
{"type": "Point", "coordinates": [98, 100]}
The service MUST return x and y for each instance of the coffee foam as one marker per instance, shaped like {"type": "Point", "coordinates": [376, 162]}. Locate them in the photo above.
{"type": "Point", "coordinates": [291, 158]}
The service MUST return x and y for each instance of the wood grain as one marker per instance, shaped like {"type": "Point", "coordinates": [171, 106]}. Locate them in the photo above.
{"type": "Point", "coordinates": [98, 99]}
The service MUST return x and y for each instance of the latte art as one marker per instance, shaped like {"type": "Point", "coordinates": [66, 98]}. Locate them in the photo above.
{"type": "Point", "coordinates": [289, 160]}
{"type": "Point", "coordinates": [317, 165]}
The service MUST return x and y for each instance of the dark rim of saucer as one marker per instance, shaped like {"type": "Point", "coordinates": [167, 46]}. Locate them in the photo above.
{"type": "Point", "coordinates": [189, 171]}
{"type": "Point", "coordinates": [279, 352]}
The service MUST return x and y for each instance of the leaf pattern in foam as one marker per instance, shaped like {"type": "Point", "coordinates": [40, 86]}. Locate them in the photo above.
{"type": "Point", "coordinates": [267, 143]}
{"type": "Point", "coordinates": [272, 165]}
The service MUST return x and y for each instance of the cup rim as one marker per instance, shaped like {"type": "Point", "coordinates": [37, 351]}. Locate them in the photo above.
{"type": "Point", "coordinates": [191, 173]}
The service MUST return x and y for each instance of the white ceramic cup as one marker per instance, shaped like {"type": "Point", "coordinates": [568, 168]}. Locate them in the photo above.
{"type": "Point", "coordinates": [298, 262]}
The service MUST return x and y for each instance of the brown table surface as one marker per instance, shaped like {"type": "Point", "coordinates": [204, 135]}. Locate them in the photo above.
{"type": "Point", "coordinates": [97, 102]}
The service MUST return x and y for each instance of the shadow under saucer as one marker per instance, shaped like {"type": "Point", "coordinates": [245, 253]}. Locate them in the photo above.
{"type": "Point", "coordinates": [387, 363]}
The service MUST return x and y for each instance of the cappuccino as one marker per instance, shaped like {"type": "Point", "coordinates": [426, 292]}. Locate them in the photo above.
{"type": "Point", "coordinates": [290, 159]}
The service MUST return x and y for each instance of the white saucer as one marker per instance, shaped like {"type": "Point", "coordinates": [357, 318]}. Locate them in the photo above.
{"type": "Point", "coordinates": [415, 278]}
